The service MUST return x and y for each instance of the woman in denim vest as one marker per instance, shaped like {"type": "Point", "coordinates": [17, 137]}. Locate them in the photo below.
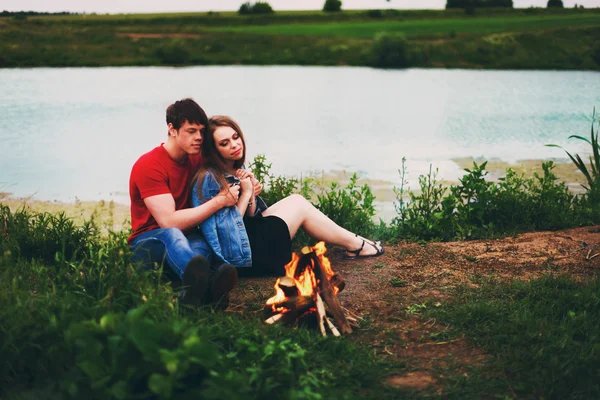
{"type": "Point", "coordinates": [250, 234]}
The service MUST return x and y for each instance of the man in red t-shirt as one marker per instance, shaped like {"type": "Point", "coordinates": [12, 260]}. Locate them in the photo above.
{"type": "Point", "coordinates": [163, 226]}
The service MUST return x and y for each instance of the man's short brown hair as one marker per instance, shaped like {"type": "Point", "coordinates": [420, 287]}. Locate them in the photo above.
{"type": "Point", "coordinates": [186, 110]}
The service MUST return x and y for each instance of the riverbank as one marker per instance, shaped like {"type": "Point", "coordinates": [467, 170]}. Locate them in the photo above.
{"type": "Point", "coordinates": [116, 216]}
{"type": "Point", "coordinates": [489, 39]}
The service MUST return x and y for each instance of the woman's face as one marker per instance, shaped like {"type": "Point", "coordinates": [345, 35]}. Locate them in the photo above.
{"type": "Point", "coordinates": [229, 143]}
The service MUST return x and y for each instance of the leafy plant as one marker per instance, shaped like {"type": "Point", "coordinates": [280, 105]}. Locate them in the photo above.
{"type": "Point", "coordinates": [275, 188]}
{"type": "Point", "coordinates": [592, 175]}
{"type": "Point", "coordinates": [350, 207]}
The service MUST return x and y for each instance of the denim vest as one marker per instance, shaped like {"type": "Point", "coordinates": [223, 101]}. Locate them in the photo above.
{"type": "Point", "coordinates": [224, 230]}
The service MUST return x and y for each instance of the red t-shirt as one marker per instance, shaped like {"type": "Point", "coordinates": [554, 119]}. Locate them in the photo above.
{"type": "Point", "coordinates": [157, 173]}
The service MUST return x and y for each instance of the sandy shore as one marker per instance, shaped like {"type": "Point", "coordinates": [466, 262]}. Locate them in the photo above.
{"type": "Point", "coordinates": [108, 214]}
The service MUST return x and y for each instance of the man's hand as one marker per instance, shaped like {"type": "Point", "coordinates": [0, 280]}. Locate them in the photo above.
{"type": "Point", "coordinates": [230, 195]}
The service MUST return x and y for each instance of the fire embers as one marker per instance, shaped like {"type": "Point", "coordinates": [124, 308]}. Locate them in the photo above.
{"type": "Point", "coordinates": [309, 290]}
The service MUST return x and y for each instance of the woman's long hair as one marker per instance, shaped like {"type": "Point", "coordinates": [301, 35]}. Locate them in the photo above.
{"type": "Point", "coordinates": [211, 158]}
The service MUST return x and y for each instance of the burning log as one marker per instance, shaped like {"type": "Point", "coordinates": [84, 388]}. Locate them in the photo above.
{"type": "Point", "coordinates": [329, 296]}
{"type": "Point", "coordinates": [288, 286]}
{"type": "Point", "coordinates": [309, 290]}
{"type": "Point", "coordinates": [298, 304]}
{"type": "Point", "coordinates": [338, 282]}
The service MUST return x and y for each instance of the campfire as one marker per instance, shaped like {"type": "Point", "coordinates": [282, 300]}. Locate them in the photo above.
{"type": "Point", "coordinates": [310, 290]}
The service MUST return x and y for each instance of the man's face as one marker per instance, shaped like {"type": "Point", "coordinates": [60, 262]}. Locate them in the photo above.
{"type": "Point", "coordinates": [188, 137]}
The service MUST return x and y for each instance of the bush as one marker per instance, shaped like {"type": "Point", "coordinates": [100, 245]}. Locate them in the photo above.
{"type": "Point", "coordinates": [389, 51]}
{"type": "Point", "coordinates": [173, 52]}
{"type": "Point", "coordinates": [275, 188]}
{"type": "Point", "coordinates": [375, 14]}
{"type": "Point", "coordinates": [255, 8]}
{"type": "Point", "coordinates": [555, 4]}
{"type": "Point", "coordinates": [477, 208]}
{"type": "Point", "coordinates": [332, 6]}
{"type": "Point", "coordinates": [350, 207]}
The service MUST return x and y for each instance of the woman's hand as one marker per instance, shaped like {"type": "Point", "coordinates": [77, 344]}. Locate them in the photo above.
{"type": "Point", "coordinates": [246, 187]}
{"type": "Point", "coordinates": [244, 173]}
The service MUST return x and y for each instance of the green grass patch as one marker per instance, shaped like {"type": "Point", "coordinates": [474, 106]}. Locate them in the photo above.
{"type": "Point", "coordinates": [542, 336]}
{"type": "Point", "coordinates": [415, 28]}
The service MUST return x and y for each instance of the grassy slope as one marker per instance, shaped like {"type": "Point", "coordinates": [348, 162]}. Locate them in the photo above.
{"type": "Point", "coordinates": [537, 39]}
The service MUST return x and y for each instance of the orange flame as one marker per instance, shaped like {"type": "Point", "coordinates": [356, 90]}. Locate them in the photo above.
{"type": "Point", "coordinates": [307, 281]}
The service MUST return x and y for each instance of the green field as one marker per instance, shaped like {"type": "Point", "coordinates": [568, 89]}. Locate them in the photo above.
{"type": "Point", "coordinates": [490, 39]}
{"type": "Point", "coordinates": [416, 28]}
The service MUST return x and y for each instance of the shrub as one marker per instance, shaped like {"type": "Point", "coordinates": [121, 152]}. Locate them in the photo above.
{"type": "Point", "coordinates": [555, 4]}
{"type": "Point", "coordinates": [173, 52]}
{"type": "Point", "coordinates": [275, 188]}
{"type": "Point", "coordinates": [389, 51]}
{"type": "Point", "coordinates": [350, 207]}
{"type": "Point", "coordinates": [375, 13]}
{"type": "Point", "coordinates": [332, 6]}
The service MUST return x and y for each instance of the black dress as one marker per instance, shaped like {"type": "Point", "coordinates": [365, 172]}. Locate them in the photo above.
{"type": "Point", "coordinates": [270, 244]}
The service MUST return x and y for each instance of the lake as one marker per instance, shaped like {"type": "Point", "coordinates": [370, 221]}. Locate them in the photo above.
{"type": "Point", "coordinates": [72, 134]}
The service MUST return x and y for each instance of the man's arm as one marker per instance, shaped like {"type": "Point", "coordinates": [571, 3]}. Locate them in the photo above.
{"type": "Point", "coordinates": [162, 208]}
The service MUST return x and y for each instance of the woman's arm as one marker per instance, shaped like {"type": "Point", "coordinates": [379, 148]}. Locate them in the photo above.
{"type": "Point", "coordinates": [246, 203]}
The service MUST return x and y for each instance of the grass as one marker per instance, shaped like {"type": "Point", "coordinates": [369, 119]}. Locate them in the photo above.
{"type": "Point", "coordinates": [434, 27]}
{"type": "Point", "coordinates": [78, 320]}
{"type": "Point", "coordinates": [543, 337]}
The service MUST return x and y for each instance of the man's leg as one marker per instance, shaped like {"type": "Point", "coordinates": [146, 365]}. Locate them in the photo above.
{"type": "Point", "coordinates": [173, 246]}
{"type": "Point", "coordinates": [223, 277]}
{"type": "Point", "coordinates": [168, 244]}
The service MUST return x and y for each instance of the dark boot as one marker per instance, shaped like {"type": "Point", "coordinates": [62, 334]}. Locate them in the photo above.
{"type": "Point", "coordinates": [195, 281]}
{"type": "Point", "coordinates": [223, 281]}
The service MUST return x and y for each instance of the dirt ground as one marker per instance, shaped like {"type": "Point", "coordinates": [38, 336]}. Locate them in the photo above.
{"type": "Point", "coordinates": [387, 292]}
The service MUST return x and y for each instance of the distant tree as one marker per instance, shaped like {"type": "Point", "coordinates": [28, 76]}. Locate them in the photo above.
{"type": "Point", "coordinates": [245, 8]}
{"type": "Point", "coordinates": [259, 7]}
{"type": "Point", "coordinates": [555, 4]}
{"type": "Point", "coordinates": [332, 5]}
{"type": "Point", "coordinates": [262, 7]}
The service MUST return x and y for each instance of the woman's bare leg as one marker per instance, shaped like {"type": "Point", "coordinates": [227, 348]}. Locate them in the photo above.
{"type": "Point", "coordinates": [298, 212]}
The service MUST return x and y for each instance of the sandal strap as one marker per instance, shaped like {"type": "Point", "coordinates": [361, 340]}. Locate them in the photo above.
{"type": "Point", "coordinates": [357, 252]}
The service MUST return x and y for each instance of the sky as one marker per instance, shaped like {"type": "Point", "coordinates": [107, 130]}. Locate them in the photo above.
{"type": "Point", "coordinates": [151, 6]}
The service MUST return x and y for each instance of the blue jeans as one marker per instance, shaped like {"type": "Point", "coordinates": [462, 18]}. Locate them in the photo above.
{"type": "Point", "coordinates": [169, 244]}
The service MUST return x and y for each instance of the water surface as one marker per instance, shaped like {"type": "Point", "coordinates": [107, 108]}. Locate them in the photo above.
{"type": "Point", "coordinates": [75, 133]}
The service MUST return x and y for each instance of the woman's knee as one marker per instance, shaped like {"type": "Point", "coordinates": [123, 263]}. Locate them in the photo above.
{"type": "Point", "coordinates": [299, 200]}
